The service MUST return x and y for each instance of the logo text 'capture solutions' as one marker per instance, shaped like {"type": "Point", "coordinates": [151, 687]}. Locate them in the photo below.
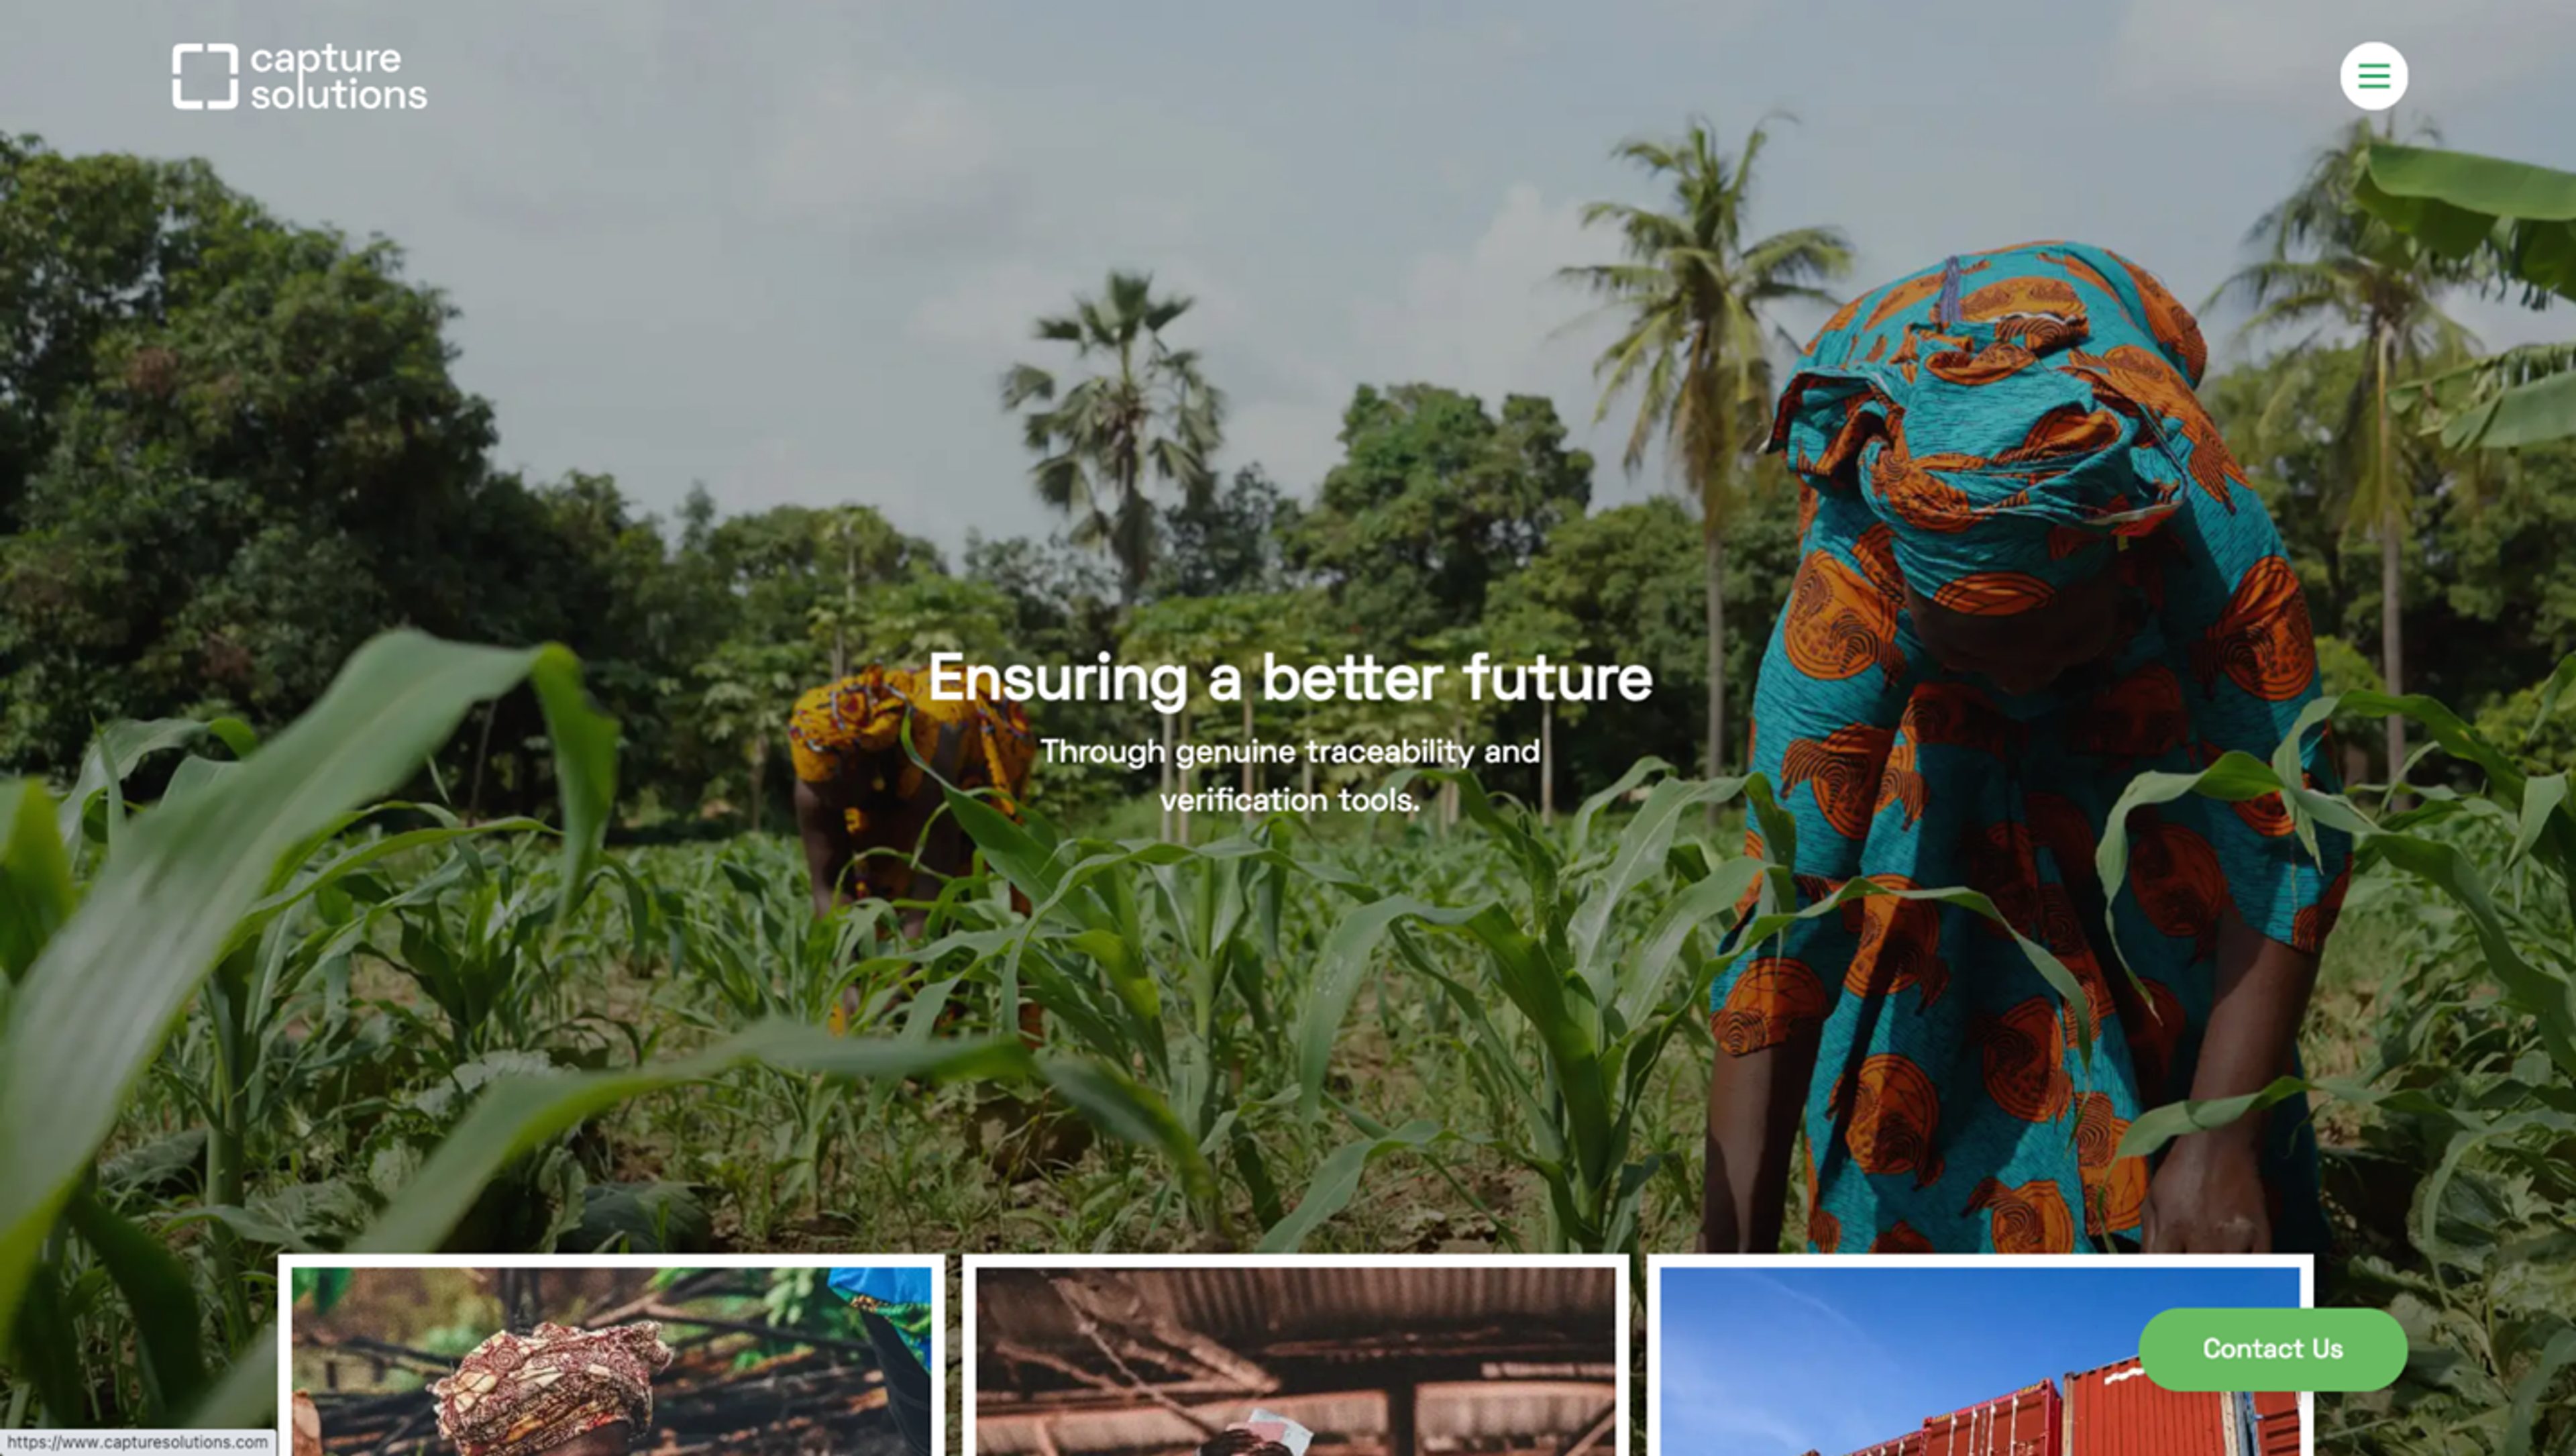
{"type": "Point", "coordinates": [324, 79]}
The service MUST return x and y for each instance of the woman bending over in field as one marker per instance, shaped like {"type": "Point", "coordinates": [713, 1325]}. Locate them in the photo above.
{"type": "Point", "coordinates": [871, 819]}
{"type": "Point", "coordinates": [2031, 572]}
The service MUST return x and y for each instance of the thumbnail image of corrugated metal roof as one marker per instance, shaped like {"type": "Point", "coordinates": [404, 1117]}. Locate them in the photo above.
{"type": "Point", "coordinates": [1414, 1360]}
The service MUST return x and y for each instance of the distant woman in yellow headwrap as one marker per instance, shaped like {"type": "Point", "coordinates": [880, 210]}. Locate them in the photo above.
{"type": "Point", "coordinates": [869, 815]}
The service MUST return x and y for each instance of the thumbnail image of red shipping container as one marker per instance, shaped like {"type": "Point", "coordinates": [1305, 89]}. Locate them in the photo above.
{"type": "Point", "coordinates": [2117, 1411]}
{"type": "Point", "coordinates": [2276, 1424]}
{"type": "Point", "coordinates": [2027, 1422]}
{"type": "Point", "coordinates": [2114, 1410]}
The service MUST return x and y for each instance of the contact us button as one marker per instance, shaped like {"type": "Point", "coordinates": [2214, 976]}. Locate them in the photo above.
{"type": "Point", "coordinates": [2273, 1349]}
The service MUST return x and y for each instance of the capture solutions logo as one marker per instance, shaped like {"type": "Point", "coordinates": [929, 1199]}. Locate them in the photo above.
{"type": "Point", "coordinates": [207, 76]}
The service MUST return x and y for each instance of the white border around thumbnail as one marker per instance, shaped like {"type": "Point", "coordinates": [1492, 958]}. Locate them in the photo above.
{"type": "Point", "coordinates": [287, 1264]}
{"type": "Point", "coordinates": [1615, 1262]}
{"type": "Point", "coordinates": [1656, 1264]}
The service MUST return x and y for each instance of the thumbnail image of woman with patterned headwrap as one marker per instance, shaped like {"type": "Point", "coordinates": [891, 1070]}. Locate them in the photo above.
{"type": "Point", "coordinates": [2030, 572]}
{"type": "Point", "coordinates": [611, 1358]}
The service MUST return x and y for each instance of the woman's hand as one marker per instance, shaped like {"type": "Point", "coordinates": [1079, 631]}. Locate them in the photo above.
{"type": "Point", "coordinates": [2208, 1198]}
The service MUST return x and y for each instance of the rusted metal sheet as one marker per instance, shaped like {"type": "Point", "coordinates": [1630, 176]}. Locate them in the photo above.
{"type": "Point", "coordinates": [1451, 1416]}
{"type": "Point", "coordinates": [1346, 1418]}
{"type": "Point", "coordinates": [2277, 1423]}
{"type": "Point", "coordinates": [2117, 1411]}
{"type": "Point", "coordinates": [1253, 1309]}
{"type": "Point", "coordinates": [2025, 1423]}
{"type": "Point", "coordinates": [1478, 1415]}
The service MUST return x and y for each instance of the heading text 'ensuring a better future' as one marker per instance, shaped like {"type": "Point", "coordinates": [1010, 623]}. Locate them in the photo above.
{"type": "Point", "coordinates": [1358, 676]}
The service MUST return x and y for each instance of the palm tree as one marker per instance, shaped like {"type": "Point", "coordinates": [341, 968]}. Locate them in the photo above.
{"type": "Point", "coordinates": [2329, 264]}
{"type": "Point", "coordinates": [1696, 297]}
{"type": "Point", "coordinates": [1148, 409]}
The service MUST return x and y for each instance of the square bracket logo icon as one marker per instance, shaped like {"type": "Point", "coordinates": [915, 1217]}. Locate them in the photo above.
{"type": "Point", "coordinates": [179, 75]}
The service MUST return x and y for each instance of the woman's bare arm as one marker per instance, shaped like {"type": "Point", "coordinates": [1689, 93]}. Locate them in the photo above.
{"type": "Point", "coordinates": [1754, 1105]}
{"type": "Point", "coordinates": [2207, 1196]}
{"type": "Point", "coordinates": [827, 848]}
{"type": "Point", "coordinates": [2262, 1001]}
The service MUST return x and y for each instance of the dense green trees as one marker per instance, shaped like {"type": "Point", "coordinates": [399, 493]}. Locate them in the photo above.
{"type": "Point", "coordinates": [233, 450]}
{"type": "Point", "coordinates": [1435, 500]}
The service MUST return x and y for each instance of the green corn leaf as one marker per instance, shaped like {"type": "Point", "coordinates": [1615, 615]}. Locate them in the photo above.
{"type": "Point", "coordinates": [1765, 925]}
{"type": "Point", "coordinates": [2542, 797]}
{"type": "Point", "coordinates": [585, 744]}
{"type": "Point", "coordinates": [1495, 1064]}
{"type": "Point", "coordinates": [195, 775]}
{"type": "Point", "coordinates": [44, 1347]}
{"type": "Point", "coordinates": [2472, 1134]}
{"type": "Point", "coordinates": [1647, 968]}
{"type": "Point", "coordinates": [1579, 835]}
{"type": "Point", "coordinates": [113, 755]}
{"type": "Point", "coordinates": [245, 1398]}
{"type": "Point", "coordinates": [516, 1114]}
{"type": "Point", "coordinates": [36, 890]}
{"type": "Point", "coordinates": [1568, 1027]}
{"type": "Point", "coordinates": [1540, 863]}
{"type": "Point", "coordinates": [1639, 856]}
{"type": "Point", "coordinates": [90, 1014]}
{"type": "Point", "coordinates": [2550, 997]}
{"type": "Point", "coordinates": [1018, 854]}
{"type": "Point", "coordinates": [2550, 692]}
{"type": "Point", "coordinates": [2555, 1357]}
{"type": "Point", "coordinates": [159, 1296]}
{"type": "Point", "coordinates": [1342, 965]}
{"type": "Point", "coordinates": [1254, 1168]}
{"type": "Point", "coordinates": [360, 857]}
{"type": "Point", "coordinates": [2158, 1126]}
{"type": "Point", "coordinates": [1337, 1179]}
{"type": "Point", "coordinates": [1126, 1108]}
{"type": "Point", "coordinates": [2456, 737]}
{"type": "Point", "coordinates": [234, 734]}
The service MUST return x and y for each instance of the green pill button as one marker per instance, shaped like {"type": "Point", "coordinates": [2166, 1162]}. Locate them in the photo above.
{"type": "Point", "coordinates": [2273, 1349]}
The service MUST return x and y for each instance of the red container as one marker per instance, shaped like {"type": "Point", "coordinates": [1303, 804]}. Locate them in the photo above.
{"type": "Point", "coordinates": [1909, 1444]}
{"type": "Point", "coordinates": [2025, 1423]}
{"type": "Point", "coordinates": [2117, 1411]}
{"type": "Point", "coordinates": [2276, 1424]}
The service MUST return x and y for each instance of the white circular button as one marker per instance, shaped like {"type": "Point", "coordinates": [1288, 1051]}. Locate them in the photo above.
{"type": "Point", "coordinates": [2374, 76]}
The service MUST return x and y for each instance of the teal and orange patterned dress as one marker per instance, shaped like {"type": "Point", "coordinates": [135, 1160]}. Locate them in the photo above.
{"type": "Point", "coordinates": [1990, 431]}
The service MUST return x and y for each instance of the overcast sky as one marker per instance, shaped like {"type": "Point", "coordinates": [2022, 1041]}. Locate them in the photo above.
{"type": "Point", "coordinates": [787, 248]}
